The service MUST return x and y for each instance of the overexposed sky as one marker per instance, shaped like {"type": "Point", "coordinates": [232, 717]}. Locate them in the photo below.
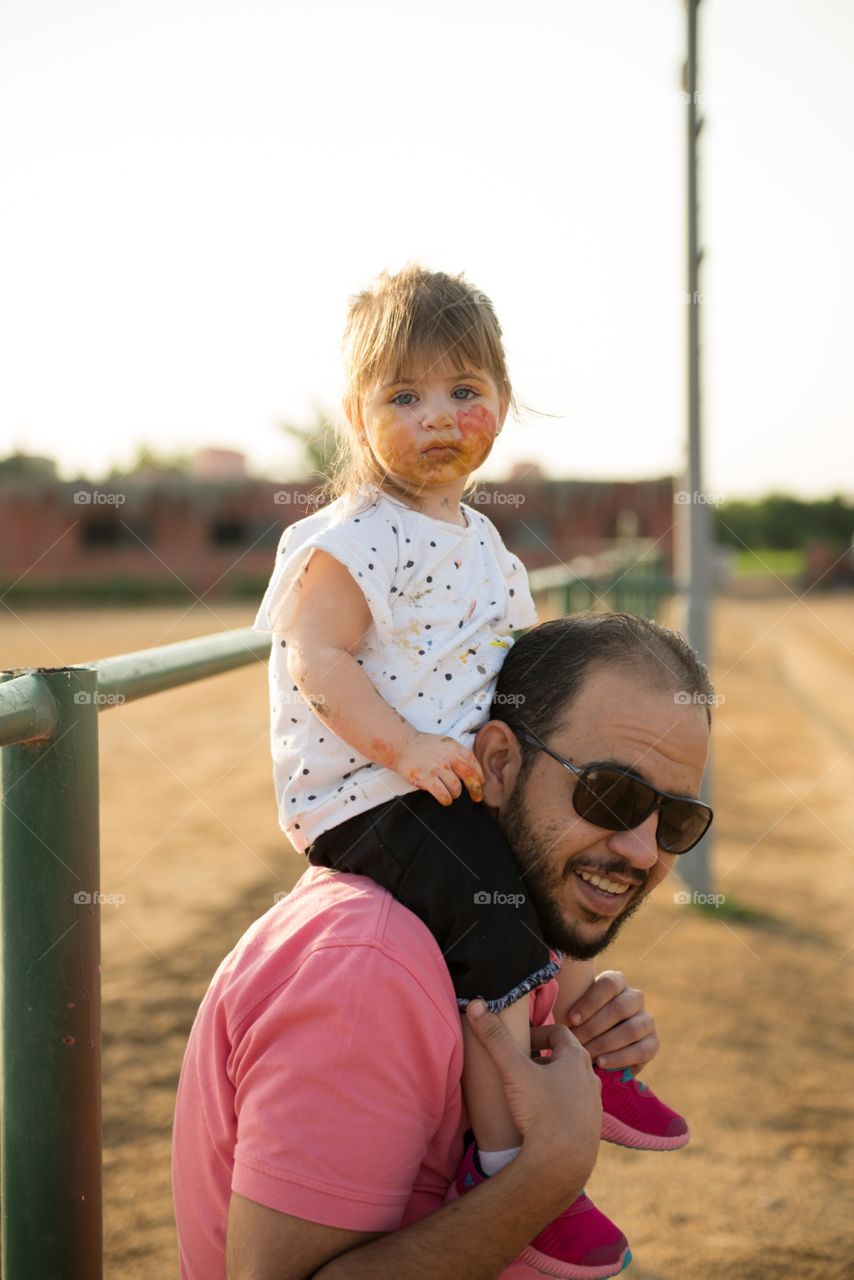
{"type": "Point", "coordinates": [193, 188]}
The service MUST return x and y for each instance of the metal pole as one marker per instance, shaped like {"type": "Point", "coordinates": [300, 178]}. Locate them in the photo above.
{"type": "Point", "coordinates": [50, 1137]}
{"type": "Point", "coordinates": [693, 525]}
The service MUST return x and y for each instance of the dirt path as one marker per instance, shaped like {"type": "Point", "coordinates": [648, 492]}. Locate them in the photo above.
{"type": "Point", "coordinates": [754, 1015]}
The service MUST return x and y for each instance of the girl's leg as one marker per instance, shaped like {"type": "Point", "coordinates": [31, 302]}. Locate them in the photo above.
{"type": "Point", "coordinates": [488, 1113]}
{"type": "Point", "coordinates": [581, 1241]}
{"type": "Point", "coordinates": [573, 980]}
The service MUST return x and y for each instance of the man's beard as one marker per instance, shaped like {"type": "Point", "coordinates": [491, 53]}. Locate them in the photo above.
{"type": "Point", "coordinates": [544, 883]}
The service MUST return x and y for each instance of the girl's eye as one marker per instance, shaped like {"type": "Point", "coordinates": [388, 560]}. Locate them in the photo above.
{"type": "Point", "coordinates": [396, 399]}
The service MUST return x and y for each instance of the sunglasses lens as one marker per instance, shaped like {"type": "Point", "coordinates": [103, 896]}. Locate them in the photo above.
{"type": "Point", "coordinates": [681, 826]}
{"type": "Point", "coordinates": [618, 802]}
{"type": "Point", "coordinates": [613, 800]}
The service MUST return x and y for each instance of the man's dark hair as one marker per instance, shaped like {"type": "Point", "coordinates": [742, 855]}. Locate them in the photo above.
{"type": "Point", "coordinates": [545, 669]}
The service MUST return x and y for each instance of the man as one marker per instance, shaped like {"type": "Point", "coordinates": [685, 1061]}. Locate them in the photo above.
{"type": "Point", "coordinates": [319, 1121]}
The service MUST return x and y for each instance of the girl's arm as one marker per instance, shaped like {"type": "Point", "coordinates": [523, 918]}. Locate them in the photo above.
{"type": "Point", "coordinates": [330, 622]}
{"type": "Point", "coordinates": [575, 977]}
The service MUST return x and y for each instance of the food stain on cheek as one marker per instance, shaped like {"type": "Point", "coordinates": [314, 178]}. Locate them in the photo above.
{"type": "Point", "coordinates": [390, 444]}
{"type": "Point", "coordinates": [477, 431]}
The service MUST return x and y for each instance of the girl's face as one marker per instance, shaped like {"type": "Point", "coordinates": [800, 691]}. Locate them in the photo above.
{"type": "Point", "coordinates": [436, 427]}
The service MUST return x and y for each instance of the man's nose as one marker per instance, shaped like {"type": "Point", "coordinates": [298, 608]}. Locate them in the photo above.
{"type": "Point", "coordinates": [639, 846]}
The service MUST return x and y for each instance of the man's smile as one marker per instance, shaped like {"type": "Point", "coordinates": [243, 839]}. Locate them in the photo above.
{"type": "Point", "coordinates": [607, 894]}
{"type": "Point", "coordinates": [603, 883]}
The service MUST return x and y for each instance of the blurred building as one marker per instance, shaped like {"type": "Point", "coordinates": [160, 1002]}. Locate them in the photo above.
{"type": "Point", "coordinates": [213, 528]}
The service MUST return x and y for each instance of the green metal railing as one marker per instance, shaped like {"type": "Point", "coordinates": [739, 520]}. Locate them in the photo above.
{"type": "Point", "coordinates": [50, 1022]}
{"type": "Point", "coordinates": [631, 584]}
{"type": "Point", "coordinates": [50, 1027]}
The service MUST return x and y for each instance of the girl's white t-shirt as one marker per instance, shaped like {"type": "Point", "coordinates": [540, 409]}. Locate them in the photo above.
{"type": "Point", "coordinates": [443, 600]}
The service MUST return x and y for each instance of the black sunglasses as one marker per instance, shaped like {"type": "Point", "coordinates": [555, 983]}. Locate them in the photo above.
{"type": "Point", "coordinates": [619, 800]}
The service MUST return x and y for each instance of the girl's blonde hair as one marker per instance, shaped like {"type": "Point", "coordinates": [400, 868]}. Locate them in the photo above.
{"type": "Point", "coordinates": [402, 321]}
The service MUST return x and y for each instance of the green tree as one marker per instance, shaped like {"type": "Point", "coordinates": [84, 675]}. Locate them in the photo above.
{"type": "Point", "coordinates": [784, 522]}
{"type": "Point", "coordinates": [147, 458]}
{"type": "Point", "coordinates": [319, 443]}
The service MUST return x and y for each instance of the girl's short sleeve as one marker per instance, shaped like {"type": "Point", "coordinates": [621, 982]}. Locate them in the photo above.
{"type": "Point", "coordinates": [369, 555]}
{"type": "Point", "coordinates": [521, 610]}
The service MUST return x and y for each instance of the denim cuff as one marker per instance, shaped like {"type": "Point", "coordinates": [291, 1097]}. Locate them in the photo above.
{"type": "Point", "coordinates": [548, 971]}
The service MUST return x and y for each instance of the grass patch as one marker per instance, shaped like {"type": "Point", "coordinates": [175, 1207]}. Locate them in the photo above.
{"type": "Point", "coordinates": [768, 561]}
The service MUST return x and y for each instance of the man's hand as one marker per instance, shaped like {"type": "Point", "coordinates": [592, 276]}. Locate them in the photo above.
{"type": "Point", "coordinates": [555, 1105]}
{"type": "Point", "coordinates": [612, 1024]}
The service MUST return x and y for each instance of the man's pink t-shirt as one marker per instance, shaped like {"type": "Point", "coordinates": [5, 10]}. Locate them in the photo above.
{"type": "Point", "coordinates": [322, 1074]}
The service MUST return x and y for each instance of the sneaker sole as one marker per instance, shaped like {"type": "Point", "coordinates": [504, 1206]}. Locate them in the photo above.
{"type": "Point", "coordinates": [623, 1135]}
{"type": "Point", "coordinates": [530, 1263]}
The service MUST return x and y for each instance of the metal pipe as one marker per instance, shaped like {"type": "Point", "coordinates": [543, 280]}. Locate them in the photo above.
{"type": "Point", "coordinates": [134, 675]}
{"type": "Point", "coordinates": [26, 708]}
{"type": "Point", "coordinates": [50, 1028]}
{"type": "Point", "coordinates": [692, 523]}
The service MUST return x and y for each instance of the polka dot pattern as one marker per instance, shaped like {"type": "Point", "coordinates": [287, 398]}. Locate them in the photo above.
{"type": "Point", "coordinates": [443, 599]}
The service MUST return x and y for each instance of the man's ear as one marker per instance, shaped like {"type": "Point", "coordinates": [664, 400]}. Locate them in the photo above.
{"type": "Point", "coordinates": [500, 759]}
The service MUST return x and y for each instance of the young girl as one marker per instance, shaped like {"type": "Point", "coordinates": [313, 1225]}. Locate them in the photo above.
{"type": "Point", "coordinates": [393, 608]}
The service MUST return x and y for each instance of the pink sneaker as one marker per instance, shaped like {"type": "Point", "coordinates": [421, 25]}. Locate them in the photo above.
{"type": "Point", "coordinates": [581, 1244]}
{"type": "Point", "coordinates": [632, 1116]}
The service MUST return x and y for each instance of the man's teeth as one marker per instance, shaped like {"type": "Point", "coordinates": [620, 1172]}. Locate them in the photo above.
{"type": "Point", "coordinates": [602, 882]}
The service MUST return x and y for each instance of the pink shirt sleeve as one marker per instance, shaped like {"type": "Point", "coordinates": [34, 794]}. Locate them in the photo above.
{"type": "Point", "coordinates": [340, 1084]}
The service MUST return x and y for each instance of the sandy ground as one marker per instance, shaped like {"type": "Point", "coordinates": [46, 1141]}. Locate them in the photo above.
{"type": "Point", "coordinates": [754, 1016]}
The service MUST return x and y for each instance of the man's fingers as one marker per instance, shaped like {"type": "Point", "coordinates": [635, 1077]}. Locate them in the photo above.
{"type": "Point", "coordinates": [603, 1014]}
{"type": "Point", "coordinates": [502, 1047]}
{"type": "Point", "coordinates": [605, 987]}
{"type": "Point", "coordinates": [505, 1053]}
{"type": "Point", "coordinates": [624, 1050]}
{"type": "Point", "coordinates": [634, 1055]}
{"type": "Point", "coordinates": [552, 1037]}
{"type": "Point", "coordinates": [626, 1008]}
{"type": "Point", "coordinates": [496, 1039]}
{"type": "Point", "coordinates": [619, 1035]}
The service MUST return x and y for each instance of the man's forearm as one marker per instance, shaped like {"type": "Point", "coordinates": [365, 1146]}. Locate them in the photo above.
{"type": "Point", "coordinates": [472, 1239]}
